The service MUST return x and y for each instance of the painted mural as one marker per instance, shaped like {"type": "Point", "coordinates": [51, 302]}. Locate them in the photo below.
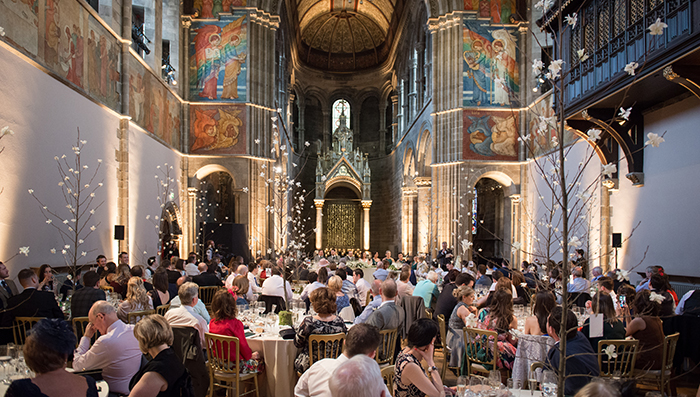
{"type": "Point", "coordinates": [151, 105]}
{"type": "Point", "coordinates": [64, 49]}
{"type": "Point", "coordinates": [542, 129]}
{"type": "Point", "coordinates": [217, 129]}
{"type": "Point", "coordinates": [490, 135]}
{"type": "Point", "coordinates": [491, 73]}
{"type": "Point", "coordinates": [210, 9]}
{"type": "Point", "coordinates": [499, 11]}
{"type": "Point", "coordinates": [20, 20]}
{"type": "Point", "coordinates": [103, 52]}
{"type": "Point", "coordinates": [218, 59]}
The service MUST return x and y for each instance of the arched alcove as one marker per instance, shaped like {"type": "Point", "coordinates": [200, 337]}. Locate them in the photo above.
{"type": "Point", "coordinates": [489, 220]}
{"type": "Point", "coordinates": [342, 212]}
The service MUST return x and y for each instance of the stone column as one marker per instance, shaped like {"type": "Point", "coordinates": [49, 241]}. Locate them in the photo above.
{"type": "Point", "coordinates": [605, 232]}
{"type": "Point", "coordinates": [319, 223]}
{"type": "Point", "coordinates": [395, 118]}
{"type": "Point", "coordinates": [424, 211]}
{"type": "Point", "coordinates": [515, 235]}
{"type": "Point", "coordinates": [122, 157]}
{"type": "Point", "coordinates": [326, 127]}
{"type": "Point", "coordinates": [301, 107]}
{"type": "Point", "coordinates": [382, 125]}
{"type": "Point", "coordinates": [408, 227]}
{"type": "Point", "coordinates": [366, 204]}
{"type": "Point", "coordinates": [191, 240]}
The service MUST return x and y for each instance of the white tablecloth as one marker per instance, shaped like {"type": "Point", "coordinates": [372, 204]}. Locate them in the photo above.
{"type": "Point", "coordinates": [101, 386]}
{"type": "Point", "coordinates": [279, 377]}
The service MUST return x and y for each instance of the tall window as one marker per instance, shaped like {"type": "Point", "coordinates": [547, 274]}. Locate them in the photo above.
{"type": "Point", "coordinates": [340, 106]}
{"type": "Point", "coordinates": [474, 212]}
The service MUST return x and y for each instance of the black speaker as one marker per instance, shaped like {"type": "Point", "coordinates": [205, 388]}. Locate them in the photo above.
{"type": "Point", "coordinates": [617, 240]}
{"type": "Point", "coordinates": [119, 232]}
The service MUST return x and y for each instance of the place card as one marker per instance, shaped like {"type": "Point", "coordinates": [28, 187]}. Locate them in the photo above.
{"type": "Point", "coordinates": [595, 329]}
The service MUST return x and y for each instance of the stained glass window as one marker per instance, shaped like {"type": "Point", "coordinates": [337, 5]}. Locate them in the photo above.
{"type": "Point", "coordinates": [340, 106]}
{"type": "Point", "coordinates": [474, 213]}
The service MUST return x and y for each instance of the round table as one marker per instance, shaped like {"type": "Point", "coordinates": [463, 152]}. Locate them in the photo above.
{"type": "Point", "coordinates": [279, 377]}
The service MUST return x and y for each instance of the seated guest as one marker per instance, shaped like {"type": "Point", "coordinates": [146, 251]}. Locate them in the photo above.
{"type": "Point", "coordinates": [537, 323]}
{"type": "Point", "coordinates": [360, 376]}
{"type": "Point", "coordinates": [647, 328]}
{"type": "Point", "coordinates": [689, 304]}
{"type": "Point", "coordinates": [239, 288]}
{"type": "Point", "coordinates": [578, 284]}
{"type": "Point", "coordinates": [335, 284]}
{"type": "Point", "coordinates": [605, 284]}
{"type": "Point", "coordinates": [164, 375]}
{"type": "Point", "coordinates": [140, 272]}
{"type": "Point", "coordinates": [323, 276]}
{"type": "Point", "coordinates": [482, 279]}
{"type": "Point", "coordinates": [410, 379]}
{"type": "Point", "coordinates": [253, 273]}
{"type": "Point", "coordinates": [499, 317]}
{"type": "Point", "coordinates": [121, 280]}
{"type": "Point", "coordinates": [598, 389]}
{"type": "Point", "coordinates": [198, 308]}
{"type": "Point", "coordinates": [404, 286]}
{"type": "Point", "coordinates": [184, 315]}
{"type": "Point", "coordinates": [581, 360]}
{"type": "Point", "coordinates": [349, 288]}
{"type": "Point", "coordinates": [109, 273]}
{"type": "Point", "coordinates": [388, 315]}
{"type": "Point", "coordinates": [457, 322]}
{"type": "Point", "coordinates": [518, 281]}
{"type": "Point", "coordinates": [428, 290]}
{"type": "Point", "coordinates": [612, 327]}
{"type": "Point", "coordinates": [31, 302]}
{"type": "Point", "coordinates": [502, 284]}
{"type": "Point", "coordinates": [207, 277]}
{"type": "Point", "coordinates": [242, 270]}
{"type": "Point", "coordinates": [7, 290]}
{"type": "Point", "coordinates": [225, 323]}
{"type": "Point", "coordinates": [45, 278]}
{"type": "Point", "coordinates": [362, 339]}
{"type": "Point", "coordinates": [69, 287]}
{"type": "Point", "coordinates": [324, 322]}
{"type": "Point", "coordinates": [137, 299]}
{"type": "Point", "coordinates": [381, 273]}
{"type": "Point", "coordinates": [313, 284]}
{"type": "Point", "coordinates": [373, 304]}
{"type": "Point", "coordinates": [173, 273]}
{"type": "Point", "coordinates": [46, 353]}
{"type": "Point", "coordinates": [362, 286]}
{"type": "Point", "coordinates": [276, 285]}
{"type": "Point", "coordinates": [658, 284]}
{"type": "Point", "coordinates": [191, 268]}
{"type": "Point", "coordinates": [445, 304]}
{"type": "Point", "coordinates": [116, 352]}
{"type": "Point", "coordinates": [83, 299]}
{"type": "Point", "coordinates": [163, 292]}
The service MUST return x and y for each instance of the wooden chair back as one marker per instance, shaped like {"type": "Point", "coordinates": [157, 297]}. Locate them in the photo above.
{"type": "Point", "coordinates": [21, 325]}
{"type": "Point", "coordinates": [476, 341]}
{"type": "Point", "coordinates": [620, 362]}
{"type": "Point", "coordinates": [79, 325]}
{"type": "Point", "coordinates": [387, 346]}
{"type": "Point", "coordinates": [223, 368]}
{"type": "Point", "coordinates": [369, 298]}
{"type": "Point", "coordinates": [108, 288]}
{"type": "Point", "coordinates": [206, 295]}
{"type": "Point", "coordinates": [446, 351]}
{"type": "Point", "coordinates": [325, 346]}
{"type": "Point", "coordinates": [162, 309]}
{"type": "Point", "coordinates": [669, 352]}
{"type": "Point", "coordinates": [134, 317]}
{"type": "Point", "coordinates": [388, 376]}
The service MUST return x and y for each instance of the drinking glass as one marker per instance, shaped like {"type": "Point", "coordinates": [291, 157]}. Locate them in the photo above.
{"type": "Point", "coordinates": [495, 378]}
{"type": "Point", "coordinates": [461, 386]}
{"type": "Point", "coordinates": [549, 384]}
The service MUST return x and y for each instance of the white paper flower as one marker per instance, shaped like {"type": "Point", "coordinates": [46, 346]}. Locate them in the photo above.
{"type": "Point", "coordinates": [657, 28]}
{"type": "Point", "coordinates": [654, 140]}
{"type": "Point", "coordinates": [48, 221]}
{"type": "Point", "coordinates": [571, 19]}
{"type": "Point", "coordinates": [623, 275]}
{"type": "Point", "coordinates": [53, 250]}
{"type": "Point", "coordinates": [516, 246]}
{"type": "Point", "coordinates": [625, 113]}
{"type": "Point", "coordinates": [66, 246]}
{"type": "Point", "coordinates": [80, 241]}
{"type": "Point", "coordinates": [2, 31]}
{"type": "Point", "coordinates": [540, 5]}
{"type": "Point", "coordinates": [594, 134]}
{"type": "Point", "coordinates": [658, 298]}
{"type": "Point", "coordinates": [610, 351]}
{"type": "Point", "coordinates": [245, 190]}
{"type": "Point", "coordinates": [555, 68]}
{"type": "Point", "coordinates": [631, 67]}
{"type": "Point", "coordinates": [582, 56]}
{"type": "Point", "coordinates": [574, 242]}
{"type": "Point", "coordinates": [31, 191]}
{"type": "Point", "coordinates": [6, 131]}
{"type": "Point", "coordinates": [537, 66]}
{"type": "Point", "coordinates": [83, 253]}
{"type": "Point", "coordinates": [24, 251]}
{"type": "Point", "coordinates": [64, 252]}
{"type": "Point", "coordinates": [92, 228]}
{"type": "Point", "coordinates": [609, 169]}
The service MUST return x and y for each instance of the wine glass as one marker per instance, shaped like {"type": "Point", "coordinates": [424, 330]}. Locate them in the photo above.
{"type": "Point", "coordinates": [495, 378]}
{"type": "Point", "coordinates": [461, 386]}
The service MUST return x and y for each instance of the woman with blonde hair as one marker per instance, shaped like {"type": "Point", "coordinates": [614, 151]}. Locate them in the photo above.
{"type": "Point", "coordinates": [458, 320]}
{"type": "Point", "coordinates": [335, 284]}
{"type": "Point", "coordinates": [137, 299]}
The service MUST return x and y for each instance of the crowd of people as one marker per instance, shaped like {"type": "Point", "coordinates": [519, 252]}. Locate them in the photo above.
{"type": "Point", "coordinates": [400, 288]}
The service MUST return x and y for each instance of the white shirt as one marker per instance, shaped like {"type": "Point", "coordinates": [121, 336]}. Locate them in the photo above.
{"type": "Point", "coordinates": [185, 316]}
{"type": "Point", "coordinates": [310, 288]}
{"type": "Point", "coordinates": [117, 353]}
{"type": "Point", "coordinates": [229, 280]}
{"type": "Point", "coordinates": [253, 282]}
{"type": "Point", "coordinates": [314, 382]}
{"type": "Point", "coordinates": [199, 308]}
{"type": "Point", "coordinates": [362, 287]}
{"type": "Point", "coordinates": [273, 287]}
{"type": "Point", "coordinates": [681, 304]}
{"type": "Point", "coordinates": [191, 270]}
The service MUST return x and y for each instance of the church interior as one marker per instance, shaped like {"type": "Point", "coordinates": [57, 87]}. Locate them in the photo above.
{"type": "Point", "coordinates": [370, 125]}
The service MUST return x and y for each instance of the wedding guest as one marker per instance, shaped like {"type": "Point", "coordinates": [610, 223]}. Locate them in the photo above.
{"type": "Point", "coordinates": [482, 279]}
{"type": "Point", "coordinates": [239, 287]}
{"type": "Point", "coordinates": [428, 290]}
{"type": "Point", "coordinates": [164, 375]}
{"type": "Point", "coordinates": [373, 304]}
{"type": "Point", "coordinates": [31, 302]}
{"type": "Point", "coordinates": [163, 292]}
{"type": "Point", "coordinates": [108, 275]}
{"type": "Point", "coordinates": [458, 320]}
{"type": "Point", "coordinates": [45, 278]}
{"type": "Point", "coordinates": [410, 379]}
{"type": "Point", "coordinates": [121, 279]}
{"type": "Point", "coordinates": [323, 275]}
{"type": "Point", "coordinates": [362, 286]}
{"type": "Point", "coordinates": [647, 328]}
{"type": "Point", "coordinates": [46, 352]}
{"type": "Point", "coordinates": [359, 376]}
{"type": "Point", "coordinates": [499, 317]}
{"type": "Point", "coordinates": [207, 277]}
{"type": "Point", "coordinates": [381, 273]}
{"type": "Point", "coordinates": [324, 322]}
{"type": "Point", "coordinates": [137, 299]}
{"type": "Point", "coordinates": [446, 301]}
{"type": "Point", "coordinates": [224, 322]}
{"type": "Point", "coordinates": [84, 298]}
{"type": "Point", "coordinates": [518, 281]}
{"type": "Point", "coordinates": [140, 272]}
{"type": "Point", "coordinates": [349, 288]}
{"type": "Point", "coordinates": [612, 326]}
{"type": "Point", "coordinates": [536, 324]}
{"type": "Point", "coordinates": [276, 285]}
{"type": "Point", "coordinates": [578, 284]}
{"type": "Point", "coordinates": [184, 315]}
{"type": "Point", "coordinates": [404, 286]}
{"type": "Point", "coordinates": [335, 284]}
{"type": "Point", "coordinates": [658, 285]}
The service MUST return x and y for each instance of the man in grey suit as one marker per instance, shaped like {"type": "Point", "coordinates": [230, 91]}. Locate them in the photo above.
{"type": "Point", "coordinates": [8, 289]}
{"type": "Point", "coordinates": [388, 315]}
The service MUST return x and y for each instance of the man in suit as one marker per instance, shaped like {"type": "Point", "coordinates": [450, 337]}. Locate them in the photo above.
{"type": "Point", "coordinates": [444, 256]}
{"type": "Point", "coordinates": [84, 298]}
{"type": "Point", "coordinates": [31, 302]}
{"type": "Point", "coordinates": [207, 278]}
{"type": "Point", "coordinates": [8, 289]}
{"type": "Point", "coordinates": [388, 315]}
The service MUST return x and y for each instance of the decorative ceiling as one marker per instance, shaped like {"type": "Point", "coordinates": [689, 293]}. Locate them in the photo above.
{"type": "Point", "coordinates": [345, 35]}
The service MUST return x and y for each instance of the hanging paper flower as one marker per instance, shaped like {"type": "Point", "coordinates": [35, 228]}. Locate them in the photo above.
{"type": "Point", "coordinates": [658, 298]}
{"type": "Point", "coordinates": [654, 140]}
{"type": "Point", "coordinates": [657, 28]}
{"type": "Point", "coordinates": [610, 351]}
{"type": "Point", "coordinates": [24, 251]}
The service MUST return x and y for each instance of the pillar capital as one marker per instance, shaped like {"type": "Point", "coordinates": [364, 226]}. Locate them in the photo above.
{"type": "Point", "coordinates": [366, 204]}
{"type": "Point", "coordinates": [319, 204]}
{"type": "Point", "coordinates": [422, 181]}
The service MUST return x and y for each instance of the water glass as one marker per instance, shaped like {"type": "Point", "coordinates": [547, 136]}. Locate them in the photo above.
{"type": "Point", "coordinates": [549, 384]}
{"type": "Point", "coordinates": [461, 386]}
{"type": "Point", "coordinates": [495, 378]}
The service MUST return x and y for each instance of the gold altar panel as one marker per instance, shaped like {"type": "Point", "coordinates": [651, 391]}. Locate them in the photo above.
{"type": "Point", "coordinates": [341, 224]}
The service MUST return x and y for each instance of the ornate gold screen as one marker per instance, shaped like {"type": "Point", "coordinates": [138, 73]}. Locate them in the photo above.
{"type": "Point", "coordinates": [341, 224]}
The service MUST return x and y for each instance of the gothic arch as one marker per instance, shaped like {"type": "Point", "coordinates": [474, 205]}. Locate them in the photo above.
{"type": "Point", "coordinates": [212, 168]}
{"type": "Point", "coordinates": [425, 151]}
{"type": "Point", "coordinates": [409, 165]}
{"type": "Point", "coordinates": [492, 172]}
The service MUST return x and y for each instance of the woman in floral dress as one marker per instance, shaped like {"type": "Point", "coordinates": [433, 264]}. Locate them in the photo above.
{"type": "Point", "coordinates": [499, 317]}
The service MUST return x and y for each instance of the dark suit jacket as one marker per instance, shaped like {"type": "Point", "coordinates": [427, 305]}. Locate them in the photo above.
{"type": "Point", "coordinates": [207, 280]}
{"type": "Point", "coordinates": [6, 334]}
{"type": "Point", "coordinates": [4, 296]}
{"type": "Point", "coordinates": [32, 303]}
{"type": "Point", "coordinates": [442, 257]}
{"type": "Point", "coordinates": [82, 301]}
{"type": "Point", "coordinates": [387, 316]}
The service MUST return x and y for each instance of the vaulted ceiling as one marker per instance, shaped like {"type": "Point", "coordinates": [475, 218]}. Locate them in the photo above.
{"type": "Point", "coordinates": [344, 35]}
